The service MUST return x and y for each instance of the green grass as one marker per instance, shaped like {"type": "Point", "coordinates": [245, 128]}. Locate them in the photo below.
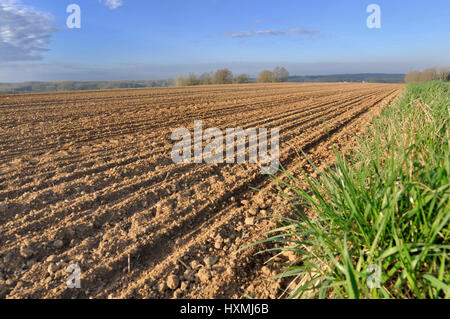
{"type": "Point", "coordinates": [385, 207]}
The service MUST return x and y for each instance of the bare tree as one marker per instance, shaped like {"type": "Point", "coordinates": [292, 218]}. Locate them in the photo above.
{"type": "Point", "coordinates": [444, 74]}
{"type": "Point", "coordinates": [431, 74]}
{"type": "Point", "coordinates": [428, 75]}
{"type": "Point", "coordinates": [243, 78]}
{"type": "Point", "coordinates": [266, 77]}
{"type": "Point", "coordinates": [179, 81]}
{"type": "Point", "coordinates": [280, 74]}
{"type": "Point", "coordinates": [412, 76]}
{"type": "Point", "coordinates": [223, 76]}
{"type": "Point", "coordinates": [205, 78]}
{"type": "Point", "coordinates": [192, 79]}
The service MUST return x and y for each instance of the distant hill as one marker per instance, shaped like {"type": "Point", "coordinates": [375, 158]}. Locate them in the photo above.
{"type": "Point", "coordinates": [28, 87]}
{"type": "Point", "coordinates": [367, 77]}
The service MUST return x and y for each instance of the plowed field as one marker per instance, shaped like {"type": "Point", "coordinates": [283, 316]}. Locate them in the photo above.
{"type": "Point", "coordinates": [87, 178]}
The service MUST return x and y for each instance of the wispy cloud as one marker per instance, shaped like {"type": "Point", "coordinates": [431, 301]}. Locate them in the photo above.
{"type": "Point", "coordinates": [24, 31]}
{"type": "Point", "coordinates": [302, 31]}
{"type": "Point", "coordinates": [241, 34]}
{"type": "Point", "coordinates": [249, 33]}
{"type": "Point", "coordinates": [112, 4]}
{"type": "Point", "coordinates": [269, 32]}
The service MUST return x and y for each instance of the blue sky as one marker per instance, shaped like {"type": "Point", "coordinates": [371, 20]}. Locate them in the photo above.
{"type": "Point", "coordinates": [137, 39]}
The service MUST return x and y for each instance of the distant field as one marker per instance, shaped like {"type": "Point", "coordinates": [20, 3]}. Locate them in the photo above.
{"type": "Point", "coordinates": [58, 86]}
{"type": "Point", "coordinates": [366, 77]}
{"type": "Point", "coordinates": [87, 178]}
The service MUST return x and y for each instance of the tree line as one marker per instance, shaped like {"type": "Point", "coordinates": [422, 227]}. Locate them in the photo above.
{"type": "Point", "coordinates": [279, 74]}
{"type": "Point", "coordinates": [430, 74]}
{"type": "Point", "coordinates": [225, 76]}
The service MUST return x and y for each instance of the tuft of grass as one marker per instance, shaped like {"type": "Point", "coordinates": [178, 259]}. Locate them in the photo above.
{"type": "Point", "coordinates": [380, 225]}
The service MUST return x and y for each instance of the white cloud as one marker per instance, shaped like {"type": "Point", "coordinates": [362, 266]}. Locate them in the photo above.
{"type": "Point", "coordinates": [241, 34]}
{"type": "Point", "coordinates": [24, 31]}
{"type": "Point", "coordinates": [246, 34]}
{"type": "Point", "coordinates": [302, 31]}
{"type": "Point", "coordinates": [269, 32]}
{"type": "Point", "coordinates": [112, 4]}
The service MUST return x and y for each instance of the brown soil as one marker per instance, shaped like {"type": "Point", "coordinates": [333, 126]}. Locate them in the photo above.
{"type": "Point", "coordinates": [87, 178]}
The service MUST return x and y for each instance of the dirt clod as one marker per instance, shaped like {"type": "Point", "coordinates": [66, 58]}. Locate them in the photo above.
{"type": "Point", "coordinates": [52, 268]}
{"type": "Point", "coordinates": [266, 271]}
{"type": "Point", "coordinates": [250, 221]}
{"type": "Point", "coordinates": [184, 285]}
{"type": "Point", "coordinates": [189, 276]}
{"type": "Point", "coordinates": [195, 264]}
{"type": "Point", "coordinates": [218, 242]}
{"type": "Point", "coordinates": [51, 258]}
{"type": "Point", "coordinates": [173, 282]}
{"type": "Point", "coordinates": [204, 275]}
{"type": "Point", "coordinates": [58, 243]}
{"type": "Point", "coordinates": [210, 261]}
{"type": "Point", "coordinates": [26, 252]}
